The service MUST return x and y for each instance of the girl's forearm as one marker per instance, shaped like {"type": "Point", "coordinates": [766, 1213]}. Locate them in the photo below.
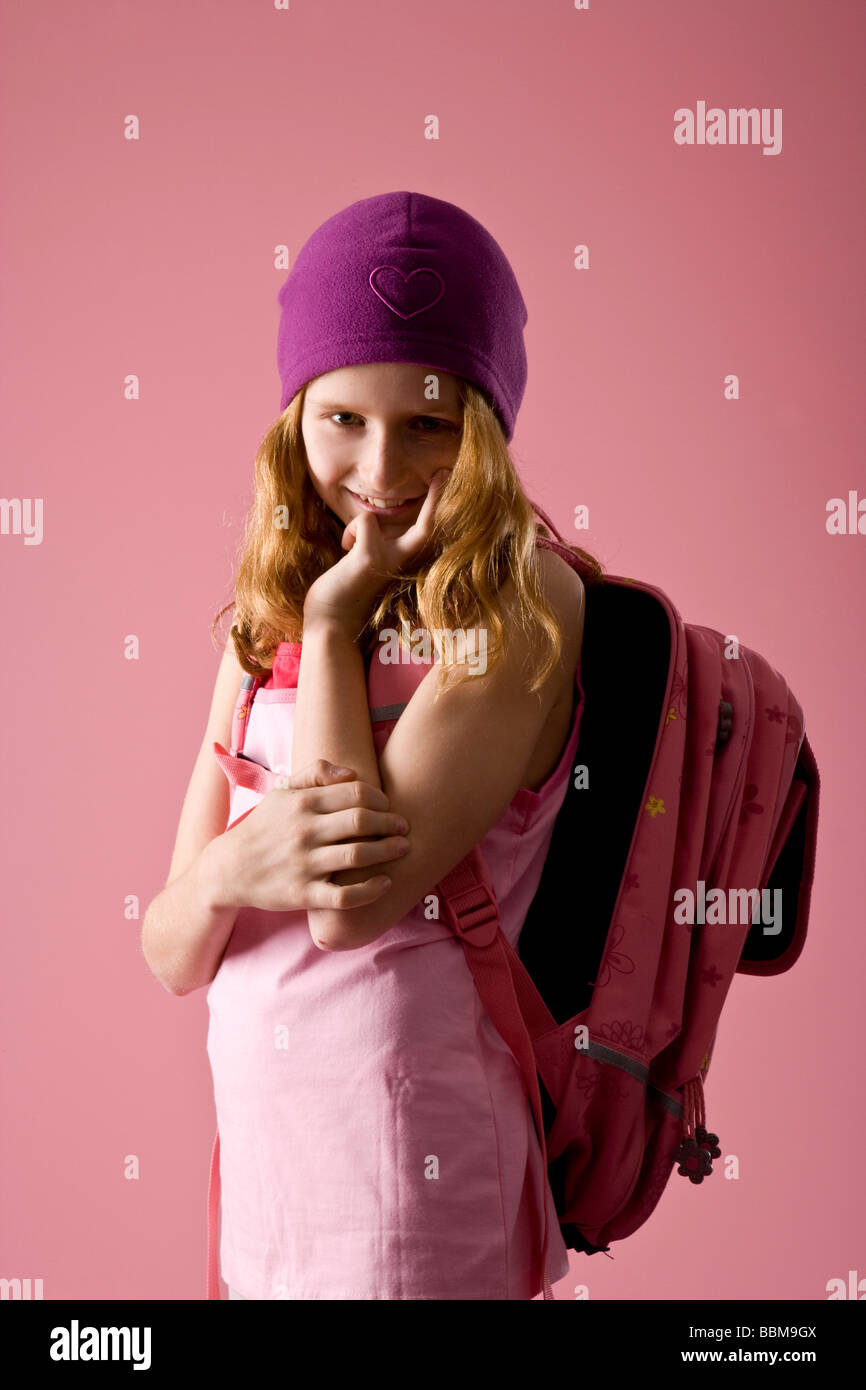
{"type": "Point", "coordinates": [332, 717]}
{"type": "Point", "coordinates": [187, 926]}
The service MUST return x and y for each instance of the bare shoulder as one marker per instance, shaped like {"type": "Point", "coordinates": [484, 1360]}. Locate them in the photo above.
{"type": "Point", "coordinates": [558, 573]}
{"type": "Point", "coordinates": [565, 592]}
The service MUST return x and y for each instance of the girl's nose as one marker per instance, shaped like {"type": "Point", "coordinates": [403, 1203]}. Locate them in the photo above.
{"type": "Point", "coordinates": [383, 467]}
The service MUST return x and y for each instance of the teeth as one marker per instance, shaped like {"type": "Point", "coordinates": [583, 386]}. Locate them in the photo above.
{"type": "Point", "coordinates": [378, 501]}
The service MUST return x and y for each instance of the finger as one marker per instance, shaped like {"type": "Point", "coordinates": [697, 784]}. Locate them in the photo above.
{"type": "Point", "coordinates": [419, 533]}
{"type": "Point", "coordinates": [341, 827]}
{"type": "Point", "coordinates": [320, 773]}
{"type": "Point", "coordinates": [345, 895]}
{"type": "Point", "coordinates": [365, 536]}
{"type": "Point", "coordinates": [368, 537]}
{"type": "Point", "coordinates": [357, 854]}
{"type": "Point", "coordinates": [344, 795]}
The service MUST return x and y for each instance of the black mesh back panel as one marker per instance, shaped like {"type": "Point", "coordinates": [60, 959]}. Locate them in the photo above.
{"type": "Point", "coordinates": [787, 875]}
{"type": "Point", "coordinates": [624, 667]}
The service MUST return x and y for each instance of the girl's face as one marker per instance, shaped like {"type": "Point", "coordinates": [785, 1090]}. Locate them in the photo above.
{"type": "Point", "coordinates": [373, 438]}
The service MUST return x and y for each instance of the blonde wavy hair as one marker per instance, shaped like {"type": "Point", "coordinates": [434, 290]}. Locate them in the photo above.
{"type": "Point", "coordinates": [485, 531]}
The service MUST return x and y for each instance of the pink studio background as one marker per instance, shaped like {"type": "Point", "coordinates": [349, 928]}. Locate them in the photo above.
{"type": "Point", "coordinates": [156, 257]}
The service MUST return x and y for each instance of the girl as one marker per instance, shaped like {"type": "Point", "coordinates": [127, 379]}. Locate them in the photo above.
{"type": "Point", "coordinates": [415, 693]}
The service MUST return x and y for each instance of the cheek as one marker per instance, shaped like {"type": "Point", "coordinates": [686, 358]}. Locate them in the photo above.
{"type": "Point", "coordinates": [325, 466]}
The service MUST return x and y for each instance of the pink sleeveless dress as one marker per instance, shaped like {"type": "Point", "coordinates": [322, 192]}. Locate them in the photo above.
{"type": "Point", "coordinates": [376, 1136]}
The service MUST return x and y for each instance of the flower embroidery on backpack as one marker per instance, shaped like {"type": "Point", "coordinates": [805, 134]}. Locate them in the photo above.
{"type": "Point", "coordinates": [623, 1034]}
{"type": "Point", "coordinates": [795, 729]}
{"type": "Point", "coordinates": [591, 1076]}
{"type": "Point", "coordinates": [678, 696]}
{"type": "Point", "coordinates": [777, 716]}
{"type": "Point", "coordinates": [613, 959]}
{"type": "Point", "coordinates": [750, 806]}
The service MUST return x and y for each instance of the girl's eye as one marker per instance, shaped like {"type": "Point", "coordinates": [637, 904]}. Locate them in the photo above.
{"type": "Point", "coordinates": [440, 425]}
{"type": "Point", "coordinates": [432, 420]}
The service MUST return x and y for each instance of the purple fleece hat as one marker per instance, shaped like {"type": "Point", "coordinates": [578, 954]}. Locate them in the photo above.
{"type": "Point", "coordinates": [402, 277]}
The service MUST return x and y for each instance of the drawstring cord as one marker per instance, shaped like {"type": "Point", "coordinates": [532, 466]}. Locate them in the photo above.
{"type": "Point", "coordinates": [698, 1147]}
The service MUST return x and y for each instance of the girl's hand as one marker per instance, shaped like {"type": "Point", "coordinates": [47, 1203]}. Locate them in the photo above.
{"type": "Point", "coordinates": [278, 855]}
{"type": "Point", "coordinates": [346, 591]}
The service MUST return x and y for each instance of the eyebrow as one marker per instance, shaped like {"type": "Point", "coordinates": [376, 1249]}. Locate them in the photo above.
{"type": "Point", "coordinates": [341, 405]}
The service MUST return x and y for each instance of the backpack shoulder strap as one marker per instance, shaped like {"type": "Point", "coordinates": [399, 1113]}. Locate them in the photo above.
{"type": "Point", "coordinates": [240, 718]}
{"type": "Point", "coordinates": [468, 904]}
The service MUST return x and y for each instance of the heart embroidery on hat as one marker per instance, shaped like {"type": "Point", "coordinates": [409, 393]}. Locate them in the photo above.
{"type": "Point", "coordinates": [398, 294]}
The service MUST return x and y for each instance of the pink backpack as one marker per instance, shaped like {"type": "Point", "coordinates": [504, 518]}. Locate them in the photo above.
{"type": "Point", "coordinates": [692, 774]}
{"type": "Point", "coordinates": [697, 772]}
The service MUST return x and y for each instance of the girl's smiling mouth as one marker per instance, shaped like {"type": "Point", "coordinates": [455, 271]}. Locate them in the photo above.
{"type": "Point", "coordinates": [382, 507]}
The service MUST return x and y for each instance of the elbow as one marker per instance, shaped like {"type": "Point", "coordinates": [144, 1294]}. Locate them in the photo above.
{"type": "Point", "coordinates": [347, 930]}
{"type": "Point", "coordinates": [170, 985]}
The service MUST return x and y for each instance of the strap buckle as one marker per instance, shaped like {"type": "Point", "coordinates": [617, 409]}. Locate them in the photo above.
{"type": "Point", "coordinates": [476, 916]}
